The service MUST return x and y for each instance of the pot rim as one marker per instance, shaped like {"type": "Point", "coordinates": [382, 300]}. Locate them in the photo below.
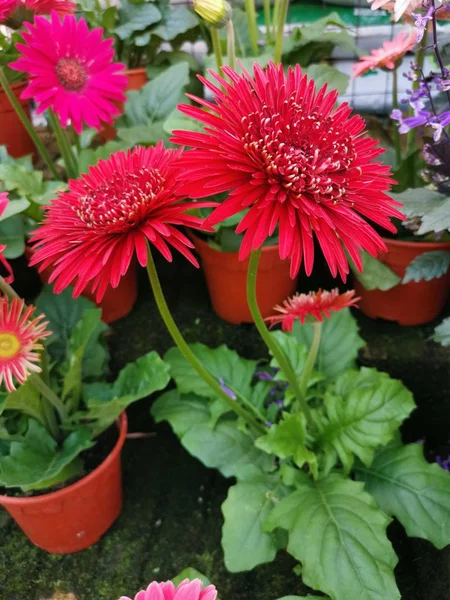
{"type": "Point", "coordinates": [137, 70]}
{"type": "Point", "coordinates": [403, 244]}
{"type": "Point", "coordinates": [203, 243]}
{"type": "Point", "coordinates": [122, 425]}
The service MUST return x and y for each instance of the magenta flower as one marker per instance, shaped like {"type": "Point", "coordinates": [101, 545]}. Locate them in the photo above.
{"type": "Point", "coordinates": [187, 590]}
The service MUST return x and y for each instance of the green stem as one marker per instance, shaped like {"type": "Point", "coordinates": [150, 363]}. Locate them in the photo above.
{"type": "Point", "coordinates": [281, 21]}
{"type": "Point", "coordinates": [27, 124]}
{"type": "Point", "coordinates": [252, 26]}
{"type": "Point", "coordinates": [76, 138]}
{"type": "Point", "coordinates": [215, 38]}
{"type": "Point", "coordinates": [419, 60]}
{"type": "Point", "coordinates": [50, 418]}
{"type": "Point", "coordinates": [49, 395]}
{"type": "Point", "coordinates": [9, 292]}
{"type": "Point", "coordinates": [187, 352]}
{"type": "Point", "coordinates": [398, 150]}
{"type": "Point", "coordinates": [231, 45]}
{"type": "Point", "coordinates": [312, 357]}
{"type": "Point", "coordinates": [277, 352]}
{"type": "Point", "coordinates": [64, 146]}
{"type": "Point", "coordinates": [267, 21]}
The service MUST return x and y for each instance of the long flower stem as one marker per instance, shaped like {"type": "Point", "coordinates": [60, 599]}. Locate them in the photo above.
{"type": "Point", "coordinates": [50, 419]}
{"type": "Point", "coordinates": [398, 150]}
{"type": "Point", "coordinates": [267, 21]}
{"type": "Point", "coordinates": [282, 15]}
{"type": "Point", "coordinates": [277, 352]}
{"type": "Point", "coordinates": [215, 38]}
{"type": "Point", "coordinates": [436, 49]}
{"type": "Point", "coordinates": [27, 124]}
{"type": "Point", "coordinates": [312, 356]}
{"type": "Point", "coordinates": [184, 348]}
{"type": "Point", "coordinates": [64, 146]}
{"type": "Point", "coordinates": [419, 60]}
{"type": "Point", "coordinates": [231, 45]}
{"type": "Point", "coordinates": [252, 26]}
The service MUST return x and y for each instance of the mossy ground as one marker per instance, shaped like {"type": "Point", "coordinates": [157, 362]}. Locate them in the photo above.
{"type": "Point", "coordinates": [171, 517]}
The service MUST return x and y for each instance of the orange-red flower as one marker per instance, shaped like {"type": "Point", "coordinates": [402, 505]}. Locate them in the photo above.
{"type": "Point", "coordinates": [20, 337]}
{"type": "Point", "coordinates": [295, 161]}
{"type": "Point", "coordinates": [311, 306]}
{"type": "Point", "coordinates": [26, 10]}
{"type": "Point", "coordinates": [388, 56]}
{"type": "Point", "coordinates": [90, 233]}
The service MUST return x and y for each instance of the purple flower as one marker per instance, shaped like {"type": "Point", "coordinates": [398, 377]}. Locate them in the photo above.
{"type": "Point", "coordinates": [269, 423]}
{"type": "Point", "coordinates": [443, 462]}
{"type": "Point", "coordinates": [226, 389]}
{"type": "Point", "coordinates": [264, 376]}
{"type": "Point", "coordinates": [421, 22]}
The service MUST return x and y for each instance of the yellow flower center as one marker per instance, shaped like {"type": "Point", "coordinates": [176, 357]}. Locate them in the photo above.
{"type": "Point", "coordinates": [9, 345]}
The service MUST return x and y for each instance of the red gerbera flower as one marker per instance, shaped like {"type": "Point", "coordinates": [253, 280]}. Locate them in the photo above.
{"type": "Point", "coordinates": [294, 161]}
{"type": "Point", "coordinates": [6, 8]}
{"type": "Point", "coordinates": [3, 261]}
{"type": "Point", "coordinates": [313, 305]}
{"type": "Point", "coordinates": [71, 71]}
{"type": "Point", "coordinates": [25, 10]}
{"type": "Point", "coordinates": [91, 232]}
{"type": "Point", "coordinates": [19, 341]}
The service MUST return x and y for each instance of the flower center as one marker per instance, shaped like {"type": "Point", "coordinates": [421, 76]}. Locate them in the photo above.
{"type": "Point", "coordinates": [121, 203]}
{"type": "Point", "coordinates": [71, 73]}
{"type": "Point", "coordinates": [302, 153]}
{"type": "Point", "coordinates": [9, 345]}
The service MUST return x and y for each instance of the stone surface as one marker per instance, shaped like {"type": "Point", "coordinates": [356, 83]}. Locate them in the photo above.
{"type": "Point", "coordinates": [171, 517]}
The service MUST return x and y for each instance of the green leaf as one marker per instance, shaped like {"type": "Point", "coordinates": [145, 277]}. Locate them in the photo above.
{"type": "Point", "coordinates": [303, 598]}
{"type": "Point", "coordinates": [37, 457]}
{"type": "Point", "coordinates": [244, 542]}
{"type": "Point", "coordinates": [14, 207]}
{"type": "Point", "coordinates": [339, 344]}
{"type": "Point", "coordinates": [247, 63]}
{"type": "Point", "coordinates": [427, 266]}
{"type": "Point", "coordinates": [190, 574]}
{"type": "Point", "coordinates": [433, 208]}
{"type": "Point", "coordinates": [225, 364]}
{"type": "Point", "coordinates": [177, 120]}
{"type": "Point", "coordinates": [178, 20]}
{"type": "Point", "coordinates": [89, 156]}
{"type": "Point", "coordinates": [375, 274]}
{"type": "Point", "coordinates": [105, 401]}
{"type": "Point", "coordinates": [338, 534]}
{"type": "Point", "coordinates": [12, 234]}
{"type": "Point", "coordinates": [26, 399]}
{"type": "Point", "coordinates": [294, 349]}
{"type": "Point", "coordinates": [19, 179]}
{"type": "Point", "coordinates": [417, 493]}
{"type": "Point", "coordinates": [362, 410]}
{"type": "Point", "coordinates": [136, 17]}
{"type": "Point", "coordinates": [109, 17]}
{"type": "Point", "coordinates": [326, 74]}
{"type": "Point", "coordinates": [148, 135]}
{"type": "Point", "coordinates": [288, 439]}
{"type": "Point", "coordinates": [224, 447]}
{"type": "Point", "coordinates": [442, 333]}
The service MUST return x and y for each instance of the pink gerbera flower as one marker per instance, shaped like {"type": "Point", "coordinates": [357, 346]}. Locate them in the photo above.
{"type": "Point", "coordinates": [19, 11]}
{"type": "Point", "coordinates": [6, 8]}
{"type": "Point", "coordinates": [388, 56]}
{"type": "Point", "coordinates": [19, 341]}
{"type": "Point", "coordinates": [91, 232]}
{"type": "Point", "coordinates": [313, 305]}
{"type": "Point", "coordinates": [3, 261]}
{"type": "Point", "coordinates": [71, 71]}
{"type": "Point", "coordinates": [187, 590]}
{"type": "Point", "coordinates": [398, 7]}
{"type": "Point", "coordinates": [294, 161]}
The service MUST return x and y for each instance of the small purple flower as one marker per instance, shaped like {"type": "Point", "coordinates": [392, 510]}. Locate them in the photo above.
{"type": "Point", "coordinates": [279, 402]}
{"type": "Point", "coordinates": [443, 462]}
{"type": "Point", "coordinates": [226, 389]}
{"type": "Point", "coordinates": [421, 22]}
{"type": "Point", "coordinates": [269, 423]}
{"type": "Point", "coordinates": [264, 376]}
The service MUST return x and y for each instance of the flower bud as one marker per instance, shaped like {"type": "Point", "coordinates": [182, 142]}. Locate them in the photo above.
{"type": "Point", "coordinates": [214, 12]}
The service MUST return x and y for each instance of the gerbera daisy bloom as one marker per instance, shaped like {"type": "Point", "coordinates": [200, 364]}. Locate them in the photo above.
{"type": "Point", "coordinates": [18, 11]}
{"type": "Point", "coordinates": [3, 261]}
{"type": "Point", "coordinates": [294, 161]}
{"type": "Point", "coordinates": [311, 306]}
{"type": "Point", "coordinates": [398, 7]}
{"type": "Point", "coordinates": [187, 590]}
{"type": "Point", "coordinates": [71, 71]}
{"type": "Point", "coordinates": [388, 56]}
{"type": "Point", "coordinates": [90, 233]}
{"type": "Point", "coordinates": [20, 337]}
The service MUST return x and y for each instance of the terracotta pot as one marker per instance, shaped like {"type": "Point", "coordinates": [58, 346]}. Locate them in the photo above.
{"type": "Point", "coordinates": [137, 78]}
{"type": "Point", "coordinates": [75, 517]}
{"type": "Point", "coordinates": [117, 302]}
{"type": "Point", "coordinates": [226, 278]}
{"type": "Point", "coordinates": [13, 134]}
{"type": "Point", "coordinates": [412, 303]}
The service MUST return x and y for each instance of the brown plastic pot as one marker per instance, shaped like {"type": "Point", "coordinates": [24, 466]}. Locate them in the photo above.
{"type": "Point", "coordinates": [411, 303]}
{"type": "Point", "coordinates": [226, 278]}
{"type": "Point", "coordinates": [117, 302]}
{"type": "Point", "coordinates": [75, 517]}
{"type": "Point", "coordinates": [137, 78]}
{"type": "Point", "coordinates": [13, 134]}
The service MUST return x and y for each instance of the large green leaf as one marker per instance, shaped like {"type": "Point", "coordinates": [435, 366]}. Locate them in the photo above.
{"type": "Point", "coordinates": [326, 74]}
{"type": "Point", "coordinates": [37, 457]}
{"type": "Point", "coordinates": [223, 446]}
{"type": "Point", "coordinates": [362, 410]}
{"type": "Point", "coordinates": [295, 351]}
{"type": "Point", "coordinates": [416, 492]}
{"type": "Point", "coordinates": [90, 156]}
{"type": "Point", "coordinates": [12, 234]}
{"type": "Point", "coordinates": [433, 208]}
{"type": "Point", "coordinates": [14, 207]}
{"type": "Point", "coordinates": [442, 333]}
{"type": "Point", "coordinates": [427, 266]}
{"type": "Point", "coordinates": [136, 17]}
{"type": "Point", "coordinates": [375, 274]}
{"type": "Point", "coordinates": [245, 510]}
{"type": "Point", "coordinates": [339, 345]}
{"type": "Point", "coordinates": [25, 399]}
{"type": "Point", "coordinates": [20, 179]}
{"type": "Point", "coordinates": [178, 20]}
{"type": "Point", "coordinates": [338, 534]}
{"type": "Point", "coordinates": [105, 401]}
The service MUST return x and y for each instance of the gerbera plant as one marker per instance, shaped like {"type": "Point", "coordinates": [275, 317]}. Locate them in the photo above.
{"type": "Point", "coordinates": [186, 590]}
{"type": "Point", "coordinates": [310, 438]}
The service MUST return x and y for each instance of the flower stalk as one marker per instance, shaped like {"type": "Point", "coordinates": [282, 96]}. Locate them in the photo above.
{"type": "Point", "coordinates": [268, 21]}
{"type": "Point", "coordinates": [397, 146]}
{"type": "Point", "coordinates": [184, 348]}
{"type": "Point", "coordinates": [252, 26]}
{"type": "Point", "coordinates": [217, 48]}
{"type": "Point", "coordinates": [312, 356]}
{"type": "Point", "coordinates": [231, 45]}
{"type": "Point", "coordinates": [281, 21]}
{"type": "Point", "coordinates": [70, 161]}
